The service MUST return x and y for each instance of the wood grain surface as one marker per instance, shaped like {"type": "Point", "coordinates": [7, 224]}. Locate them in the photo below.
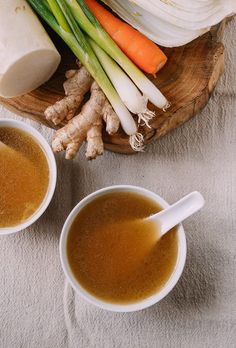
{"type": "Point", "coordinates": [187, 81]}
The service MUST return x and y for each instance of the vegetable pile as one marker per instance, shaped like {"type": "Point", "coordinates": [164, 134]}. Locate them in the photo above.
{"type": "Point", "coordinates": [124, 85]}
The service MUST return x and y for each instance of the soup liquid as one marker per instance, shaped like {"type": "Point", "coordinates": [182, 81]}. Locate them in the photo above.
{"type": "Point", "coordinates": [115, 257]}
{"type": "Point", "coordinates": [24, 176]}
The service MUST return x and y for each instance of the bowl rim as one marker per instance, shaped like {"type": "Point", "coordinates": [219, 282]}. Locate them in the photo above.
{"type": "Point", "coordinates": [41, 141]}
{"type": "Point", "coordinates": [130, 307]}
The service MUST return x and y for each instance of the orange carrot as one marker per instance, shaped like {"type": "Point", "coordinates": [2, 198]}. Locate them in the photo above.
{"type": "Point", "coordinates": [142, 51]}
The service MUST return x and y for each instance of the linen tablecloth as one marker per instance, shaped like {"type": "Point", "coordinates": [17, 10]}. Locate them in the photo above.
{"type": "Point", "coordinates": [39, 309]}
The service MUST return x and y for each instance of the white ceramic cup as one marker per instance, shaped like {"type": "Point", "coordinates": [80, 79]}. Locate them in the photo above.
{"type": "Point", "coordinates": [159, 295]}
{"type": "Point", "coordinates": [52, 173]}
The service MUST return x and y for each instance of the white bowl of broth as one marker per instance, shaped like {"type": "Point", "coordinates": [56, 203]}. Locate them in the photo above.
{"type": "Point", "coordinates": [28, 175]}
{"type": "Point", "coordinates": [120, 270]}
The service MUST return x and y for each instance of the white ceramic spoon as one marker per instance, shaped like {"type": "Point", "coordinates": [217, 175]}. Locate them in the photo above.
{"type": "Point", "coordinates": [5, 147]}
{"type": "Point", "coordinates": [177, 212]}
{"type": "Point", "coordinates": [2, 145]}
{"type": "Point", "coordinates": [12, 152]}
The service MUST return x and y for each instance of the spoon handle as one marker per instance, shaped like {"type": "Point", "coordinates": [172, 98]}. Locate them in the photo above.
{"type": "Point", "coordinates": [179, 211]}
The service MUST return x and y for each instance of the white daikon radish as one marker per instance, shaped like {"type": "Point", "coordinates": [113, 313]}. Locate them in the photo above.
{"type": "Point", "coordinates": [28, 58]}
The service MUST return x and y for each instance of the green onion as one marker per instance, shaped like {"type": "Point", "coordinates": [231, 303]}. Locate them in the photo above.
{"type": "Point", "coordinates": [62, 22]}
{"type": "Point", "coordinates": [126, 89]}
{"type": "Point", "coordinates": [88, 22]}
{"type": "Point", "coordinates": [58, 15]}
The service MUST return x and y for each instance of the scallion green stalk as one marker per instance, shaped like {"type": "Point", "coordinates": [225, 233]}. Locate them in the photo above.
{"type": "Point", "coordinates": [63, 23]}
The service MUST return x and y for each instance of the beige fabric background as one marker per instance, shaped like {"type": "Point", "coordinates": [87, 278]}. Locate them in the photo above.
{"type": "Point", "coordinates": [37, 307]}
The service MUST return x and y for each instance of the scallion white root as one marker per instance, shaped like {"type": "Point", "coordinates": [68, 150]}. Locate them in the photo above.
{"type": "Point", "coordinates": [137, 142]}
{"type": "Point", "coordinates": [148, 88]}
{"type": "Point", "coordinates": [128, 92]}
{"type": "Point", "coordinates": [146, 116]}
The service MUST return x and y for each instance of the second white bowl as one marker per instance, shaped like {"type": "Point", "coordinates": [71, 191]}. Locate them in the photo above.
{"type": "Point", "coordinates": [159, 295]}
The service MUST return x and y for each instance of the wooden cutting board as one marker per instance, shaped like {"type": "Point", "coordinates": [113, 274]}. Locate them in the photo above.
{"type": "Point", "coordinates": [187, 81]}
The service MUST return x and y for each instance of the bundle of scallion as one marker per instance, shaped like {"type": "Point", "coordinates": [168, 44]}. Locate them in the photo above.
{"type": "Point", "coordinates": [121, 81]}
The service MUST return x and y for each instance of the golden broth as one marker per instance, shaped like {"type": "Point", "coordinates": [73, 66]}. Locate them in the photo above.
{"type": "Point", "coordinates": [24, 176]}
{"type": "Point", "coordinates": [115, 257]}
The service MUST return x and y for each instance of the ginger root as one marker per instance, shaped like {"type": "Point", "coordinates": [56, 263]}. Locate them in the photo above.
{"type": "Point", "coordinates": [76, 86]}
{"type": "Point", "coordinates": [87, 125]}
